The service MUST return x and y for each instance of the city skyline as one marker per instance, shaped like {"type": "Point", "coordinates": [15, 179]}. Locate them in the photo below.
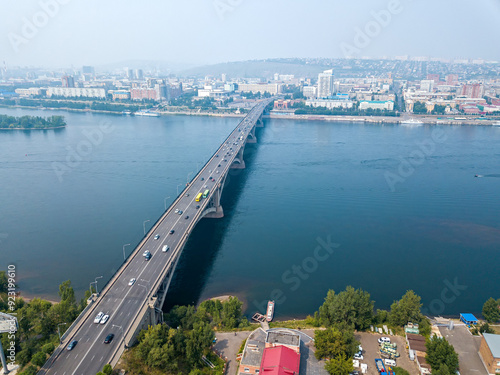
{"type": "Point", "coordinates": [63, 33]}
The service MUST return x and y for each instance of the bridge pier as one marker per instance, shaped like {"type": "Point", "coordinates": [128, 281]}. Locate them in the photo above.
{"type": "Point", "coordinates": [214, 209]}
{"type": "Point", "coordinates": [238, 162]}
{"type": "Point", "coordinates": [251, 136]}
{"type": "Point", "coordinates": [259, 123]}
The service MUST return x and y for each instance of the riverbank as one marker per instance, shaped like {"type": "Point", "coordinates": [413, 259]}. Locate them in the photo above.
{"type": "Point", "coordinates": [424, 119]}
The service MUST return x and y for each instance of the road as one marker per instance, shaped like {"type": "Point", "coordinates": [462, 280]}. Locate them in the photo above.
{"type": "Point", "coordinates": [121, 301]}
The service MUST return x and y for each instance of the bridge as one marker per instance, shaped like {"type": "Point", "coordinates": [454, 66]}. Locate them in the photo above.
{"type": "Point", "coordinates": [134, 296]}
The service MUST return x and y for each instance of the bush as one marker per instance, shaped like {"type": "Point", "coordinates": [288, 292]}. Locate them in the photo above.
{"type": "Point", "coordinates": [30, 370]}
{"type": "Point", "coordinates": [39, 359]}
{"type": "Point", "coordinates": [107, 369]}
{"type": "Point", "coordinates": [48, 348]}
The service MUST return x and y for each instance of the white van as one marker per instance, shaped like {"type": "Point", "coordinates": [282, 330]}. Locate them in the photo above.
{"type": "Point", "coordinates": [389, 362]}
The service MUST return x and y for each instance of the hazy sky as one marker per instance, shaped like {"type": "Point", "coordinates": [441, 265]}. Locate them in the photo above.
{"type": "Point", "coordinates": [65, 32]}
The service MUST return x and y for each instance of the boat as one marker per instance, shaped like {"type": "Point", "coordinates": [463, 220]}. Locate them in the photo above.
{"type": "Point", "coordinates": [270, 311]}
{"type": "Point", "coordinates": [146, 113]}
{"type": "Point", "coordinates": [411, 121]}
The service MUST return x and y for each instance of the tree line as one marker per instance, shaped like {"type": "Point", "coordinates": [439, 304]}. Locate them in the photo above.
{"type": "Point", "coordinates": [38, 321]}
{"type": "Point", "coordinates": [353, 309]}
{"type": "Point", "coordinates": [31, 122]}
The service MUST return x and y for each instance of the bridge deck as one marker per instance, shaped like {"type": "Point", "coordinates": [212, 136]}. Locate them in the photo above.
{"type": "Point", "coordinates": [125, 303]}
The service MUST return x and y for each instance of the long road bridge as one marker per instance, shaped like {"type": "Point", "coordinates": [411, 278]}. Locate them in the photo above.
{"type": "Point", "coordinates": [134, 297]}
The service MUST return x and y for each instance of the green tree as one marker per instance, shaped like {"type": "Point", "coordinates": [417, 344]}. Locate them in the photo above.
{"type": "Point", "coordinates": [340, 365]}
{"type": "Point", "coordinates": [66, 292]}
{"type": "Point", "coordinates": [442, 370]}
{"type": "Point", "coordinates": [30, 370]}
{"type": "Point", "coordinates": [3, 282]}
{"type": "Point", "coordinates": [199, 339]}
{"type": "Point", "coordinates": [439, 352]}
{"type": "Point", "coordinates": [329, 343]}
{"type": "Point", "coordinates": [231, 312]}
{"type": "Point", "coordinates": [107, 369]}
{"type": "Point", "coordinates": [491, 310]}
{"type": "Point", "coordinates": [39, 359]}
{"type": "Point", "coordinates": [407, 309]}
{"type": "Point", "coordinates": [352, 306]}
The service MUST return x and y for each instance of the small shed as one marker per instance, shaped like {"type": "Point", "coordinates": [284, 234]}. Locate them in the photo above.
{"type": "Point", "coordinates": [468, 318]}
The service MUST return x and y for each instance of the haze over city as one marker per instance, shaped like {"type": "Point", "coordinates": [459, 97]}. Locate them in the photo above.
{"type": "Point", "coordinates": [63, 33]}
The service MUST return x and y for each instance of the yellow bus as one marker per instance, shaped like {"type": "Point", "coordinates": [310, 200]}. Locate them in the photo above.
{"type": "Point", "coordinates": [198, 197]}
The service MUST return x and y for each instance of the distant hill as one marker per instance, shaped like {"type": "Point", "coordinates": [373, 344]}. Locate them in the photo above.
{"type": "Point", "coordinates": [257, 69]}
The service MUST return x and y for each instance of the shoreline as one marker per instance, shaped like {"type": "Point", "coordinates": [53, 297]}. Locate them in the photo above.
{"type": "Point", "coordinates": [426, 119]}
{"type": "Point", "coordinates": [51, 128]}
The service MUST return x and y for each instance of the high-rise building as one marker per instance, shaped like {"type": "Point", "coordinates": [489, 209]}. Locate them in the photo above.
{"type": "Point", "coordinates": [452, 79]}
{"type": "Point", "coordinates": [139, 74]}
{"type": "Point", "coordinates": [129, 73]}
{"type": "Point", "coordinates": [433, 77]}
{"type": "Point", "coordinates": [475, 90]}
{"type": "Point", "coordinates": [325, 84]}
{"type": "Point", "coordinates": [427, 85]}
{"type": "Point", "coordinates": [68, 81]}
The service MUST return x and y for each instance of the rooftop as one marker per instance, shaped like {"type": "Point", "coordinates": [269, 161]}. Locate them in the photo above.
{"type": "Point", "coordinates": [493, 342]}
{"type": "Point", "coordinates": [254, 348]}
{"type": "Point", "coordinates": [283, 338]}
{"type": "Point", "coordinates": [468, 317]}
{"type": "Point", "coordinates": [280, 360]}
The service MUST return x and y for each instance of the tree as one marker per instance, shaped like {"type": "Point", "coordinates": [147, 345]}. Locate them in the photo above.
{"type": "Point", "coordinates": [442, 370]}
{"type": "Point", "coordinates": [407, 309]}
{"type": "Point", "coordinates": [66, 292]}
{"type": "Point", "coordinates": [3, 282]}
{"type": "Point", "coordinates": [107, 369]}
{"type": "Point", "coordinates": [352, 306]}
{"type": "Point", "coordinates": [39, 359]}
{"type": "Point", "coordinates": [439, 352]}
{"type": "Point", "coordinates": [340, 365]}
{"type": "Point", "coordinates": [231, 312]}
{"type": "Point", "coordinates": [491, 310]}
{"type": "Point", "coordinates": [329, 343]}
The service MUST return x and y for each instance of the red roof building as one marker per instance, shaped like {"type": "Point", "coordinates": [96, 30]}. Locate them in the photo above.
{"type": "Point", "coordinates": [280, 360]}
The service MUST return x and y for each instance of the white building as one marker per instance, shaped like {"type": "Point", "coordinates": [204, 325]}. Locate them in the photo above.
{"type": "Point", "coordinates": [87, 92]}
{"type": "Point", "coordinates": [329, 103]}
{"type": "Point", "coordinates": [376, 104]}
{"type": "Point", "coordinates": [310, 91]}
{"type": "Point", "coordinates": [271, 88]}
{"type": "Point", "coordinates": [427, 85]}
{"type": "Point", "coordinates": [325, 84]}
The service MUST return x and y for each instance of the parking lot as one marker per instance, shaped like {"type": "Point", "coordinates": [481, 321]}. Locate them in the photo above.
{"type": "Point", "coordinates": [467, 347]}
{"type": "Point", "coordinates": [371, 351]}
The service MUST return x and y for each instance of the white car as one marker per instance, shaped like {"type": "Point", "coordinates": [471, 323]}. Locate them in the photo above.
{"type": "Point", "coordinates": [176, 211]}
{"type": "Point", "coordinates": [104, 319]}
{"type": "Point", "coordinates": [98, 317]}
{"type": "Point", "coordinates": [146, 252]}
{"type": "Point", "coordinates": [157, 236]}
{"type": "Point", "coordinates": [384, 339]}
{"type": "Point", "coordinates": [358, 356]}
{"type": "Point", "coordinates": [131, 282]}
{"type": "Point", "coordinates": [165, 248]}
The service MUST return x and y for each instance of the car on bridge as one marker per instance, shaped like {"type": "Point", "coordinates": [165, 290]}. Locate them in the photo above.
{"type": "Point", "coordinates": [98, 317]}
{"type": "Point", "coordinates": [109, 338]}
{"type": "Point", "coordinates": [157, 236]}
{"type": "Point", "coordinates": [131, 282]}
{"type": "Point", "coordinates": [148, 256]}
{"type": "Point", "coordinates": [72, 344]}
{"type": "Point", "coordinates": [171, 231]}
{"type": "Point", "coordinates": [104, 319]}
{"type": "Point", "coordinates": [187, 217]}
{"type": "Point", "coordinates": [197, 207]}
{"type": "Point", "coordinates": [165, 248]}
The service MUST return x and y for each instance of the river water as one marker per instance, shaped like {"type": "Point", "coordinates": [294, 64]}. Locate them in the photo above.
{"type": "Point", "coordinates": [320, 206]}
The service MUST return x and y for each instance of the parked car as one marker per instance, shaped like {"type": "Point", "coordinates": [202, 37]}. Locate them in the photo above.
{"type": "Point", "coordinates": [358, 356]}
{"type": "Point", "coordinates": [384, 339]}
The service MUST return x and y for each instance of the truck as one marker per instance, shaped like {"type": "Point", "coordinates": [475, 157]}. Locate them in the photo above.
{"type": "Point", "coordinates": [381, 368]}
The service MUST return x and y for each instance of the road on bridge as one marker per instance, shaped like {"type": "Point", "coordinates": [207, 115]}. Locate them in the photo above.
{"type": "Point", "coordinates": [123, 299]}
